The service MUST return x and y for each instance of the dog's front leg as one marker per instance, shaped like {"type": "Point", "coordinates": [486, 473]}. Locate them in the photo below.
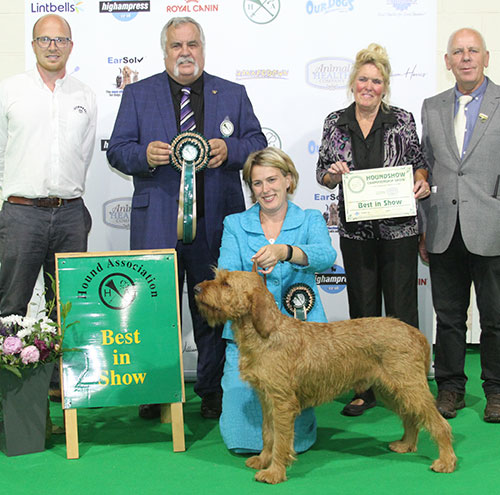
{"type": "Point", "coordinates": [284, 414]}
{"type": "Point", "coordinates": [263, 460]}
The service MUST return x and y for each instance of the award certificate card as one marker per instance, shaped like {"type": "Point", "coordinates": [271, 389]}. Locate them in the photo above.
{"type": "Point", "coordinates": [377, 193]}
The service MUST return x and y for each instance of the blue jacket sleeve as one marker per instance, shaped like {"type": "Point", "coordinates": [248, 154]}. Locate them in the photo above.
{"type": "Point", "coordinates": [318, 244]}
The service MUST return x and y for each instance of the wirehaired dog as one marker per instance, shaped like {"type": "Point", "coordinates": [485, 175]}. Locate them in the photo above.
{"type": "Point", "coordinates": [294, 364]}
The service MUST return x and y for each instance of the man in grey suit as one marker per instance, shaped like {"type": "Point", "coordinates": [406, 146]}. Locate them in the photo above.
{"type": "Point", "coordinates": [463, 220]}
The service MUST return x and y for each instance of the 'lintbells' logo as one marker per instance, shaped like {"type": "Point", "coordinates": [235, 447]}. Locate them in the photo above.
{"type": "Point", "coordinates": [329, 6]}
{"type": "Point", "coordinates": [116, 213]}
{"type": "Point", "coordinates": [328, 73]}
{"type": "Point", "coordinates": [56, 7]}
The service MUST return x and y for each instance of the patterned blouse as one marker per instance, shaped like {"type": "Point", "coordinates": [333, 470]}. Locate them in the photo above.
{"type": "Point", "coordinates": [400, 147]}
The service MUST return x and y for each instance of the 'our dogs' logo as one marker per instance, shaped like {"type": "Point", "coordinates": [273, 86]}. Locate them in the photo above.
{"type": "Point", "coordinates": [329, 6]}
{"type": "Point", "coordinates": [328, 73]}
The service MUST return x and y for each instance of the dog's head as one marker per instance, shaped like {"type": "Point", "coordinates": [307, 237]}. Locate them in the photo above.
{"type": "Point", "coordinates": [235, 296]}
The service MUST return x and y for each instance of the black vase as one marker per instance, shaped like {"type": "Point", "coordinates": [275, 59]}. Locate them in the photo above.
{"type": "Point", "coordinates": [23, 409]}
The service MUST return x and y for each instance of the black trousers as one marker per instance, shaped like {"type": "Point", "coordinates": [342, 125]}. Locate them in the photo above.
{"type": "Point", "coordinates": [378, 267]}
{"type": "Point", "coordinates": [452, 274]}
{"type": "Point", "coordinates": [195, 261]}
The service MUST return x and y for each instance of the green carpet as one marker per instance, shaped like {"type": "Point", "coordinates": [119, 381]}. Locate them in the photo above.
{"type": "Point", "coordinates": [123, 454]}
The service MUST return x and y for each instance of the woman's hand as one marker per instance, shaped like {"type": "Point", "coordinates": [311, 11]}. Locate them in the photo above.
{"type": "Point", "coordinates": [334, 175]}
{"type": "Point", "coordinates": [268, 256]}
{"type": "Point", "coordinates": [421, 189]}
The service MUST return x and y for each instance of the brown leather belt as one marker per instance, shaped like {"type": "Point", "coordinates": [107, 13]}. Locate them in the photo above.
{"type": "Point", "coordinates": [42, 202]}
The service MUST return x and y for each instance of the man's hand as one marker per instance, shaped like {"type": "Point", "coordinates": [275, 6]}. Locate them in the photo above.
{"type": "Point", "coordinates": [218, 152]}
{"type": "Point", "coordinates": [158, 153]}
{"type": "Point", "coordinates": [422, 249]}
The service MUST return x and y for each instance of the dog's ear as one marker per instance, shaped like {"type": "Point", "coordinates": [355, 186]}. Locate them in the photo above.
{"type": "Point", "coordinates": [260, 317]}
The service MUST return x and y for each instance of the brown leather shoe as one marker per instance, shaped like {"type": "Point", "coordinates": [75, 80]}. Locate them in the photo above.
{"type": "Point", "coordinates": [448, 402]}
{"type": "Point", "coordinates": [492, 410]}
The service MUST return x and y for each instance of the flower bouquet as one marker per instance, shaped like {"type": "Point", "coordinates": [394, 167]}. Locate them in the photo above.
{"type": "Point", "coordinates": [26, 341]}
{"type": "Point", "coordinates": [28, 348]}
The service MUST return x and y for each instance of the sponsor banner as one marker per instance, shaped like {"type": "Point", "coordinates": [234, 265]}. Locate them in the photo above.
{"type": "Point", "coordinates": [293, 81]}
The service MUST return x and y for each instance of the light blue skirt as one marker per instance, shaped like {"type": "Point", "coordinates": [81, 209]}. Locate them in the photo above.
{"type": "Point", "coordinates": [241, 419]}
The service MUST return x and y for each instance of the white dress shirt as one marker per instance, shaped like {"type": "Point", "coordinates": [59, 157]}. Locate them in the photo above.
{"type": "Point", "coordinates": [46, 137]}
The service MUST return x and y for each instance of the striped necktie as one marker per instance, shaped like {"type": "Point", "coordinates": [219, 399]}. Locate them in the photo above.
{"type": "Point", "coordinates": [187, 115]}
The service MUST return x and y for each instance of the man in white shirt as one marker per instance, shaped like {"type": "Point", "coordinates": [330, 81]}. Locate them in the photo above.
{"type": "Point", "coordinates": [47, 134]}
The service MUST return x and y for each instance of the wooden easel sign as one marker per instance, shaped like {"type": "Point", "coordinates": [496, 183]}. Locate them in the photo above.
{"type": "Point", "coordinates": [125, 347]}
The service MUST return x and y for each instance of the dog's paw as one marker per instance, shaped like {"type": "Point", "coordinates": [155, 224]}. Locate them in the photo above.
{"type": "Point", "coordinates": [271, 476]}
{"type": "Point", "coordinates": [402, 447]}
{"type": "Point", "coordinates": [440, 466]}
{"type": "Point", "coordinates": [255, 462]}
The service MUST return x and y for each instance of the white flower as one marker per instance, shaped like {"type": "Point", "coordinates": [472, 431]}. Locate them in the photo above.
{"type": "Point", "coordinates": [28, 322]}
{"type": "Point", "coordinates": [25, 332]}
{"type": "Point", "coordinates": [12, 319]}
{"type": "Point", "coordinates": [47, 325]}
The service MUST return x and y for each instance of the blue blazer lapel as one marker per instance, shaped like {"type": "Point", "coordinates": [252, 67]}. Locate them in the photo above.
{"type": "Point", "coordinates": [165, 106]}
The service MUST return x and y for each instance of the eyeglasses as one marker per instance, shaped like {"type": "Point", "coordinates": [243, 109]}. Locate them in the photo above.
{"type": "Point", "coordinates": [45, 41]}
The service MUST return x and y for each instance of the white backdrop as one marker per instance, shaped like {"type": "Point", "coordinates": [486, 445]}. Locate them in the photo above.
{"type": "Point", "coordinates": [293, 56]}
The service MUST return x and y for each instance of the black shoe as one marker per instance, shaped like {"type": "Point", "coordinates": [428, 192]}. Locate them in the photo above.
{"type": "Point", "coordinates": [211, 405]}
{"type": "Point", "coordinates": [149, 411]}
{"type": "Point", "coordinates": [492, 411]}
{"type": "Point", "coordinates": [448, 401]}
{"type": "Point", "coordinates": [368, 399]}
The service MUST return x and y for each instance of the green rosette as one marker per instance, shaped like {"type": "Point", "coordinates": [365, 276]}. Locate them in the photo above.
{"type": "Point", "coordinates": [190, 154]}
{"type": "Point", "coordinates": [299, 300]}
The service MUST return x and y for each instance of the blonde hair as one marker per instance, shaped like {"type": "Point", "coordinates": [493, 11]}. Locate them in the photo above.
{"type": "Point", "coordinates": [270, 157]}
{"type": "Point", "coordinates": [376, 55]}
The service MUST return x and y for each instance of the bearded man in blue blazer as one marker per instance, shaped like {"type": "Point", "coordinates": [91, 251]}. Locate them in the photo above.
{"type": "Point", "coordinates": [147, 121]}
{"type": "Point", "coordinates": [461, 140]}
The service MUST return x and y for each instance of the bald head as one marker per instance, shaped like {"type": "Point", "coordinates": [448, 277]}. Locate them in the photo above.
{"type": "Point", "coordinates": [467, 58]}
{"type": "Point", "coordinates": [43, 19]}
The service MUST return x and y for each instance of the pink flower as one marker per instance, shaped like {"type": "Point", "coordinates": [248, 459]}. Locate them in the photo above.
{"type": "Point", "coordinates": [30, 354]}
{"type": "Point", "coordinates": [12, 345]}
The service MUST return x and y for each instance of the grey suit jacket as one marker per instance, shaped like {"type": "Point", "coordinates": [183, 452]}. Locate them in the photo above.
{"type": "Point", "coordinates": [462, 187]}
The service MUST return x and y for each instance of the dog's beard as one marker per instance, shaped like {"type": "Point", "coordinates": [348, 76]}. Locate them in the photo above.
{"type": "Point", "coordinates": [183, 60]}
{"type": "Point", "coordinates": [214, 316]}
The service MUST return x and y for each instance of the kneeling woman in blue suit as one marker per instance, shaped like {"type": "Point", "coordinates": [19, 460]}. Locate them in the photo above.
{"type": "Point", "coordinates": [288, 245]}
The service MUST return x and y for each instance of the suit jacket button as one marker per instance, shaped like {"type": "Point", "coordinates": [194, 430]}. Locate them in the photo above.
{"type": "Point", "coordinates": [454, 201]}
